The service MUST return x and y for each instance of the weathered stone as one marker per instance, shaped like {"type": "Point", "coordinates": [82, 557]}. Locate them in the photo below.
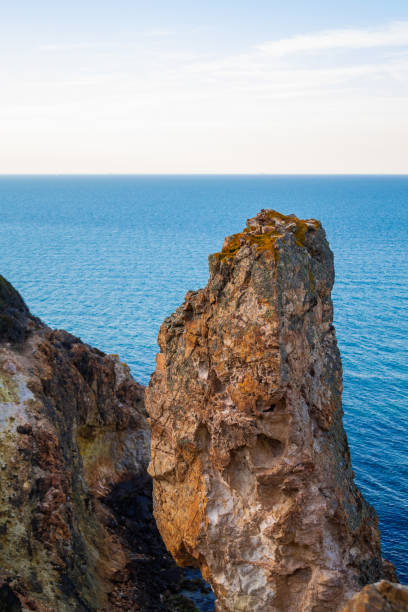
{"type": "Point", "coordinates": [15, 318]}
{"type": "Point", "coordinates": [383, 596]}
{"type": "Point", "coordinates": [76, 524]}
{"type": "Point", "coordinates": [252, 475]}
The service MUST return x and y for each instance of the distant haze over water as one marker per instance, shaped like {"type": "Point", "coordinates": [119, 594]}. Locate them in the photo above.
{"type": "Point", "coordinates": [108, 258]}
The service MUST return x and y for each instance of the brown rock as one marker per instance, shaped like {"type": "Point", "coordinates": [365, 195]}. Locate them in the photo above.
{"type": "Point", "coordinates": [76, 524]}
{"type": "Point", "coordinates": [251, 466]}
{"type": "Point", "coordinates": [383, 596]}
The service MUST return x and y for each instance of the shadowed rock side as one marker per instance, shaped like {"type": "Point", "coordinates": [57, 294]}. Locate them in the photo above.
{"type": "Point", "coordinates": [76, 524]}
{"type": "Point", "coordinates": [252, 475]}
{"type": "Point", "coordinates": [380, 597]}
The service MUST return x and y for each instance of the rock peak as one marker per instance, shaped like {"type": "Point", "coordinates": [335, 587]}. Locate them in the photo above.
{"type": "Point", "coordinates": [264, 230]}
{"type": "Point", "coordinates": [252, 474]}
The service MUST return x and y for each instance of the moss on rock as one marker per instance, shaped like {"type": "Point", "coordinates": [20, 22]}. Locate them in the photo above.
{"type": "Point", "coordinates": [263, 232]}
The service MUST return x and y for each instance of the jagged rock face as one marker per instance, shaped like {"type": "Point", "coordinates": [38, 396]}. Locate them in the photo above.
{"type": "Point", "coordinates": [76, 525]}
{"type": "Point", "coordinates": [15, 318]}
{"type": "Point", "coordinates": [380, 597]}
{"type": "Point", "coordinates": [252, 475]}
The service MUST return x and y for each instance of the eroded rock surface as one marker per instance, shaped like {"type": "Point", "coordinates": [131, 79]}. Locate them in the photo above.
{"type": "Point", "coordinates": [252, 475]}
{"type": "Point", "coordinates": [383, 596]}
{"type": "Point", "coordinates": [76, 526]}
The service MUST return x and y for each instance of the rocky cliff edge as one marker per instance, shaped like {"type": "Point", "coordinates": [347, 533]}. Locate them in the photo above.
{"type": "Point", "coordinates": [76, 525]}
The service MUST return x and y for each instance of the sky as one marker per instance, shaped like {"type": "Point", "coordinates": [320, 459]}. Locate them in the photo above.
{"type": "Point", "coordinates": [272, 87]}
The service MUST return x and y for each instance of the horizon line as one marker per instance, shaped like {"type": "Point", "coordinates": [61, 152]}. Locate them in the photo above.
{"type": "Point", "coordinates": [193, 174]}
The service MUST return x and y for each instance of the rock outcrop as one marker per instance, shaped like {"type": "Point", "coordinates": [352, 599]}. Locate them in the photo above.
{"type": "Point", "coordinates": [252, 475]}
{"type": "Point", "coordinates": [76, 526]}
{"type": "Point", "coordinates": [383, 596]}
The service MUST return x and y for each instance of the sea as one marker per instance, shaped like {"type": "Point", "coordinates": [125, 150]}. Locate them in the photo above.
{"type": "Point", "coordinates": [109, 257]}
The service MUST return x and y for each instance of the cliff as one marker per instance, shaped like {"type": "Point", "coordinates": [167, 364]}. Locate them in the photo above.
{"type": "Point", "coordinates": [76, 525]}
{"type": "Point", "coordinates": [252, 475]}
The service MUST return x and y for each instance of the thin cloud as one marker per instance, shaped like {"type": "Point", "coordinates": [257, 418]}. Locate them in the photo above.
{"type": "Point", "coordinates": [80, 46]}
{"type": "Point", "coordinates": [148, 94]}
{"type": "Point", "coordinates": [392, 35]}
{"type": "Point", "coordinates": [158, 33]}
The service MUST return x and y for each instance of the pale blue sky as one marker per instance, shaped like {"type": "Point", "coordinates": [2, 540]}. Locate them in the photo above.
{"type": "Point", "coordinates": [316, 86]}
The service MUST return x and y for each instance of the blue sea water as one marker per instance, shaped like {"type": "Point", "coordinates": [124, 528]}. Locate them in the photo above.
{"type": "Point", "coordinates": [108, 258]}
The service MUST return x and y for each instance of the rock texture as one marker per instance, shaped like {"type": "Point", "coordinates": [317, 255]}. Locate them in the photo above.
{"type": "Point", "coordinates": [76, 525]}
{"type": "Point", "coordinates": [252, 475]}
{"type": "Point", "coordinates": [380, 597]}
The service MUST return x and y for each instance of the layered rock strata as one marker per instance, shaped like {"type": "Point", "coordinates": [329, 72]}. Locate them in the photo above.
{"type": "Point", "coordinates": [383, 596]}
{"type": "Point", "coordinates": [76, 525]}
{"type": "Point", "coordinates": [252, 475]}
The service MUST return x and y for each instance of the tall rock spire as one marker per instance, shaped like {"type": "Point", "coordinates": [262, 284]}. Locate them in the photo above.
{"type": "Point", "coordinates": [252, 474]}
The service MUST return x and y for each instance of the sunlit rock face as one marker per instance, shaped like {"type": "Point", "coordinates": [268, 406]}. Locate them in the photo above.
{"type": "Point", "coordinates": [383, 596]}
{"type": "Point", "coordinates": [76, 525]}
{"type": "Point", "coordinates": [252, 475]}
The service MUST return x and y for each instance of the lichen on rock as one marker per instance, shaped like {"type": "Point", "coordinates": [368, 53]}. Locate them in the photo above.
{"type": "Point", "coordinates": [253, 482]}
{"type": "Point", "coordinates": [76, 524]}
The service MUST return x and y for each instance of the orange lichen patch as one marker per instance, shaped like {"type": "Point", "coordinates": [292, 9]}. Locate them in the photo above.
{"type": "Point", "coordinates": [232, 246]}
{"type": "Point", "coordinates": [302, 228]}
{"type": "Point", "coordinates": [160, 362]}
{"type": "Point", "coordinates": [263, 242]}
{"type": "Point", "coordinates": [272, 215]}
{"type": "Point", "coordinates": [194, 330]}
{"type": "Point", "coordinates": [180, 520]}
{"type": "Point", "coordinates": [249, 346]}
{"type": "Point", "coordinates": [301, 225]}
{"type": "Point", "coordinates": [246, 393]}
{"type": "Point", "coordinates": [263, 232]}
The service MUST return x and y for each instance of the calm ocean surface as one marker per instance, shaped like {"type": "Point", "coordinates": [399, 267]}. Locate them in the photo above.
{"type": "Point", "coordinates": [108, 258]}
